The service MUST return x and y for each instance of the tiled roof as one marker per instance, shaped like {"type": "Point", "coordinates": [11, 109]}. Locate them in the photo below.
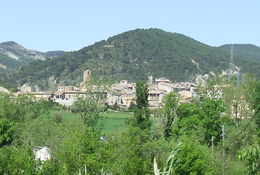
{"type": "Point", "coordinates": [58, 92]}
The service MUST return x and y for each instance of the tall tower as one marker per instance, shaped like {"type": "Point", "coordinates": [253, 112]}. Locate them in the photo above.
{"type": "Point", "coordinates": [231, 64]}
{"type": "Point", "coordinates": [238, 79]}
{"type": "Point", "coordinates": [87, 74]}
{"type": "Point", "coordinates": [150, 80]}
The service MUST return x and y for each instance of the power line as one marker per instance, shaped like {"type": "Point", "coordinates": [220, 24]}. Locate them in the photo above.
{"type": "Point", "coordinates": [254, 114]}
{"type": "Point", "coordinates": [224, 151]}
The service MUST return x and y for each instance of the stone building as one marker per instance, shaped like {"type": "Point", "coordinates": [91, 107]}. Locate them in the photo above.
{"type": "Point", "coordinates": [86, 76]}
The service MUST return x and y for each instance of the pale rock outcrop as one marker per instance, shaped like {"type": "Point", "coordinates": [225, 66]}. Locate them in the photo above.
{"type": "Point", "coordinates": [26, 88]}
{"type": "Point", "coordinates": [2, 89]}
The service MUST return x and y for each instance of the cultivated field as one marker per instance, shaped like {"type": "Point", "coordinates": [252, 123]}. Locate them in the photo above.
{"type": "Point", "coordinates": [113, 121]}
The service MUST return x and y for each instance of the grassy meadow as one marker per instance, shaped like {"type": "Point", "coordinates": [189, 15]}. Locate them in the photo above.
{"type": "Point", "coordinates": [113, 120]}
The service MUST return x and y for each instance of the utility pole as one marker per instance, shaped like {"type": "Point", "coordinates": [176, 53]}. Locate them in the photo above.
{"type": "Point", "coordinates": [231, 64]}
{"type": "Point", "coordinates": [238, 79]}
{"type": "Point", "coordinates": [212, 143]}
{"type": "Point", "coordinates": [224, 152]}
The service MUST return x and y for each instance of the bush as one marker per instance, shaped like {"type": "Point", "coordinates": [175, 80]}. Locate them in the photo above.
{"type": "Point", "coordinates": [58, 116]}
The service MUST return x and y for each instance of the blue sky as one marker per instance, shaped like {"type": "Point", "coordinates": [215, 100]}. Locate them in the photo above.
{"type": "Point", "coordinates": [71, 25]}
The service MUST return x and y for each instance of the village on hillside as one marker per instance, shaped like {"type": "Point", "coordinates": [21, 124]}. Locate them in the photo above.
{"type": "Point", "coordinates": [121, 94]}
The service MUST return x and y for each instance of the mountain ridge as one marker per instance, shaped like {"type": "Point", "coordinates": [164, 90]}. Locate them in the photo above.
{"type": "Point", "coordinates": [13, 55]}
{"type": "Point", "coordinates": [246, 50]}
{"type": "Point", "coordinates": [132, 55]}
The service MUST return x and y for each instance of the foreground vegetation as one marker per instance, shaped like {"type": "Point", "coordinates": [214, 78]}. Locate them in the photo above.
{"type": "Point", "coordinates": [179, 143]}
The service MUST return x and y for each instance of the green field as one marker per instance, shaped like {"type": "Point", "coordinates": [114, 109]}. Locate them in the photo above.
{"type": "Point", "coordinates": [113, 120]}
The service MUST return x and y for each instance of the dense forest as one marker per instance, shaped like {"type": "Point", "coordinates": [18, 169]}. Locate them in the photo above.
{"type": "Point", "coordinates": [248, 51]}
{"type": "Point", "coordinates": [132, 55]}
{"type": "Point", "coordinates": [180, 143]}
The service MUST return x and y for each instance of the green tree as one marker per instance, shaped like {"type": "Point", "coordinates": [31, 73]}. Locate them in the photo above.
{"type": "Point", "coordinates": [7, 130]}
{"type": "Point", "coordinates": [128, 152]}
{"type": "Point", "coordinates": [212, 119]}
{"type": "Point", "coordinates": [255, 103]}
{"type": "Point", "coordinates": [141, 117]}
{"type": "Point", "coordinates": [79, 149]}
{"type": "Point", "coordinates": [170, 103]}
{"type": "Point", "coordinates": [205, 117]}
{"type": "Point", "coordinates": [42, 131]}
{"type": "Point", "coordinates": [252, 156]}
{"type": "Point", "coordinates": [188, 157]}
{"type": "Point", "coordinates": [193, 159]}
{"type": "Point", "coordinates": [9, 108]}
{"type": "Point", "coordinates": [238, 139]}
{"type": "Point", "coordinates": [89, 109]}
{"type": "Point", "coordinates": [188, 122]}
{"type": "Point", "coordinates": [17, 160]}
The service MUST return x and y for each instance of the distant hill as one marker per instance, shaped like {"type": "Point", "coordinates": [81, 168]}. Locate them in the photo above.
{"type": "Point", "coordinates": [132, 55]}
{"type": "Point", "coordinates": [249, 51]}
{"type": "Point", "coordinates": [52, 54]}
{"type": "Point", "coordinates": [13, 55]}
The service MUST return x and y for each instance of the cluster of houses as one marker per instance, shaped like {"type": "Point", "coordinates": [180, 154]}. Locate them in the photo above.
{"type": "Point", "coordinates": [123, 93]}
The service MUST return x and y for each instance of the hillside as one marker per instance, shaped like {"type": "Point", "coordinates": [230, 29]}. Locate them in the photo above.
{"type": "Point", "coordinates": [13, 55]}
{"type": "Point", "coordinates": [249, 51]}
{"type": "Point", "coordinates": [132, 55]}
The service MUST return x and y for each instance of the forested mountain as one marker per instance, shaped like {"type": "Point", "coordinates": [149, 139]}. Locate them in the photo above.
{"type": "Point", "coordinates": [245, 50]}
{"type": "Point", "coordinates": [132, 55]}
{"type": "Point", "coordinates": [13, 55]}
